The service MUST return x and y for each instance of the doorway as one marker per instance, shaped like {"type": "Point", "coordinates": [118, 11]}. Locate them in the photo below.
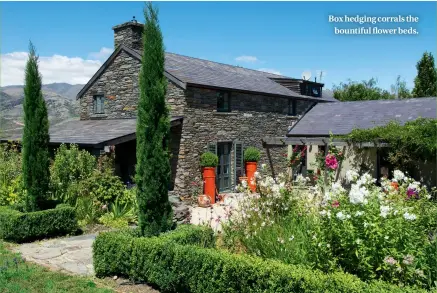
{"type": "Point", "coordinates": [224, 166]}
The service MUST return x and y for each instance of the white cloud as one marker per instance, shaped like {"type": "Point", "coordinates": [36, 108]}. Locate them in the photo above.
{"type": "Point", "coordinates": [270, 70]}
{"type": "Point", "coordinates": [247, 59]}
{"type": "Point", "coordinates": [56, 68]}
{"type": "Point", "coordinates": [102, 55]}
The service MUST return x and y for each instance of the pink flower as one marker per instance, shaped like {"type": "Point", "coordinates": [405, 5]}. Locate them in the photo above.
{"type": "Point", "coordinates": [335, 204]}
{"type": "Point", "coordinates": [331, 162]}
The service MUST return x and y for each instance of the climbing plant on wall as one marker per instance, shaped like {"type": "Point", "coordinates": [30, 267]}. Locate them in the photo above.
{"type": "Point", "coordinates": [407, 144]}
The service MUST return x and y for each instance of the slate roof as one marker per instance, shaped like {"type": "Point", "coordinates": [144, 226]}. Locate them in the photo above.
{"type": "Point", "coordinates": [184, 71]}
{"type": "Point", "coordinates": [90, 132]}
{"type": "Point", "coordinates": [196, 71]}
{"type": "Point", "coordinates": [341, 118]}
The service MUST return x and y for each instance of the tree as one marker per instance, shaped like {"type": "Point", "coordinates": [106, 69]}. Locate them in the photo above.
{"type": "Point", "coordinates": [153, 130]}
{"type": "Point", "coordinates": [400, 90]}
{"type": "Point", "coordinates": [36, 162]}
{"type": "Point", "coordinates": [365, 90]}
{"type": "Point", "coordinates": [425, 83]}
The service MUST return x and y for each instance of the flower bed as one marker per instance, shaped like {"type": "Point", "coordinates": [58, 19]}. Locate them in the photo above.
{"type": "Point", "coordinates": [175, 263]}
{"type": "Point", "coordinates": [386, 232]}
{"type": "Point", "coordinates": [21, 227]}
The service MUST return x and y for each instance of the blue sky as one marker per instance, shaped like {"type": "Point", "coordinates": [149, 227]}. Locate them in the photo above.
{"type": "Point", "coordinates": [287, 37]}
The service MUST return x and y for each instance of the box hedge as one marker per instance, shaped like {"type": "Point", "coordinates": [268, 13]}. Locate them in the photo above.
{"type": "Point", "coordinates": [176, 262]}
{"type": "Point", "coordinates": [20, 227]}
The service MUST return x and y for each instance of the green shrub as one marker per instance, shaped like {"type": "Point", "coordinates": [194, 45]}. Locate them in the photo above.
{"type": "Point", "coordinates": [110, 260]}
{"type": "Point", "coordinates": [251, 154]}
{"type": "Point", "coordinates": [175, 266]}
{"type": "Point", "coordinates": [11, 183]}
{"type": "Point", "coordinates": [21, 227]}
{"type": "Point", "coordinates": [69, 168]}
{"type": "Point", "coordinates": [103, 187]}
{"type": "Point", "coordinates": [120, 215]}
{"type": "Point", "coordinates": [208, 159]}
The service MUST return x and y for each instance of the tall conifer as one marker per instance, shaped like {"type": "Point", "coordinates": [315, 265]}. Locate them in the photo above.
{"type": "Point", "coordinates": [35, 136]}
{"type": "Point", "coordinates": [153, 130]}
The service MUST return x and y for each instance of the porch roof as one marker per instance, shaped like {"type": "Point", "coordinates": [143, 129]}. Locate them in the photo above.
{"type": "Point", "coordinates": [92, 132]}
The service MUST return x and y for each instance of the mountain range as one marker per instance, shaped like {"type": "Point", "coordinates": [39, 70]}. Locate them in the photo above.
{"type": "Point", "coordinates": [60, 100]}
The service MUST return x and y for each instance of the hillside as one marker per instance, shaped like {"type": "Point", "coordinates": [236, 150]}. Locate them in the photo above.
{"type": "Point", "coordinates": [60, 99]}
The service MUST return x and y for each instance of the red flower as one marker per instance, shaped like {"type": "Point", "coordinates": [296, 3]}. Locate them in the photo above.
{"type": "Point", "coordinates": [335, 204]}
{"type": "Point", "coordinates": [331, 162]}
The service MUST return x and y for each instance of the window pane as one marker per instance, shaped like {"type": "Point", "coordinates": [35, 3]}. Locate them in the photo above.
{"type": "Point", "coordinates": [223, 102]}
{"type": "Point", "coordinates": [102, 107]}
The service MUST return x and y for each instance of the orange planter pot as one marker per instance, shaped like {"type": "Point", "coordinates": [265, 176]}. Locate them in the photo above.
{"type": "Point", "coordinates": [209, 183]}
{"type": "Point", "coordinates": [250, 173]}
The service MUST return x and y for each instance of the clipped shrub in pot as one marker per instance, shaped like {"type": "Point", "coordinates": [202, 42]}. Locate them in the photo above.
{"type": "Point", "coordinates": [208, 162]}
{"type": "Point", "coordinates": [251, 158]}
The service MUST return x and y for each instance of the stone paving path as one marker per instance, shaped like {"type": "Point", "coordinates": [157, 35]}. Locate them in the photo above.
{"type": "Point", "coordinates": [72, 255]}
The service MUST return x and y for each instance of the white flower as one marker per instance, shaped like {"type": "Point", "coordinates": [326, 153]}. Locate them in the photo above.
{"type": "Point", "coordinates": [327, 196]}
{"type": "Point", "coordinates": [359, 213]}
{"type": "Point", "coordinates": [386, 237]}
{"type": "Point", "coordinates": [415, 185]}
{"type": "Point", "coordinates": [263, 166]}
{"type": "Point", "coordinates": [348, 216]}
{"type": "Point", "coordinates": [351, 175]}
{"type": "Point", "coordinates": [357, 194]}
{"type": "Point", "coordinates": [384, 211]}
{"type": "Point", "coordinates": [323, 212]}
{"type": "Point", "coordinates": [256, 174]}
{"type": "Point", "coordinates": [337, 188]}
{"type": "Point", "coordinates": [365, 179]}
{"type": "Point", "coordinates": [328, 245]}
{"type": "Point", "coordinates": [340, 216]}
{"type": "Point", "coordinates": [263, 224]}
{"type": "Point", "coordinates": [398, 175]}
{"type": "Point", "coordinates": [358, 241]}
{"type": "Point", "coordinates": [409, 216]}
{"type": "Point", "coordinates": [244, 183]}
{"type": "Point", "coordinates": [291, 238]}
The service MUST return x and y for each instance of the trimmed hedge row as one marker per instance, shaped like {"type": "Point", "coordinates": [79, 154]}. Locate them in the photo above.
{"type": "Point", "coordinates": [20, 227]}
{"type": "Point", "coordinates": [176, 265]}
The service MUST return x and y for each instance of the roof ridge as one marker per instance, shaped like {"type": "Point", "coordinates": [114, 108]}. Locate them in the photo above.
{"type": "Point", "coordinates": [237, 66]}
{"type": "Point", "coordinates": [389, 100]}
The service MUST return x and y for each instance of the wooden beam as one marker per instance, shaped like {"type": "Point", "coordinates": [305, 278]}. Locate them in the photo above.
{"type": "Point", "coordinates": [280, 141]}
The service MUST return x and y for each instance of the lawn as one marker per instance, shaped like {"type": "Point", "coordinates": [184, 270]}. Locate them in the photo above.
{"type": "Point", "coordinates": [19, 276]}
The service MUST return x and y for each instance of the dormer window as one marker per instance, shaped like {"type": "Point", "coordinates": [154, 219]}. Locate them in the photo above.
{"type": "Point", "coordinates": [223, 102]}
{"type": "Point", "coordinates": [99, 104]}
{"type": "Point", "coordinates": [311, 89]}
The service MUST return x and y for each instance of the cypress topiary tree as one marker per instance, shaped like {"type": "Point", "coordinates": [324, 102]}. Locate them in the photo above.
{"type": "Point", "coordinates": [425, 83]}
{"type": "Point", "coordinates": [153, 130]}
{"type": "Point", "coordinates": [36, 137]}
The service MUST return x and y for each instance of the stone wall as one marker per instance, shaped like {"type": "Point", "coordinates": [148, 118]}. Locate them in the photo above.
{"type": "Point", "coordinates": [252, 118]}
{"type": "Point", "coordinates": [119, 85]}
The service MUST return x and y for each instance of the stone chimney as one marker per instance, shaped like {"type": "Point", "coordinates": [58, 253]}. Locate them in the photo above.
{"type": "Point", "coordinates": [130, 34]}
